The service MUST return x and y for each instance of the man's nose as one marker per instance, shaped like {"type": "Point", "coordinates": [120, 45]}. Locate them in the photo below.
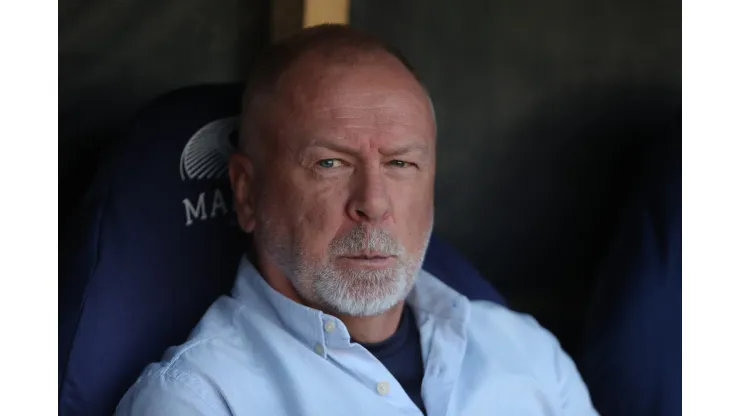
{"type": "Point", "coordinates": [369, 201]}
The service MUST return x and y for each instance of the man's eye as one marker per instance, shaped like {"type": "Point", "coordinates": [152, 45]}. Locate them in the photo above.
{"type": "Point", "coordinates": [329, 163]}
{"type": "Point", "coordinates": [399, 163]}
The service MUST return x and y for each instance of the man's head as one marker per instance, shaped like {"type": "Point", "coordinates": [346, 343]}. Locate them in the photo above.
{"type": "Point", "coordinates": [335, 176]}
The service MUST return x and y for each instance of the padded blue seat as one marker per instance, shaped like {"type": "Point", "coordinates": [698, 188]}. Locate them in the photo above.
{"type": "Point", "coordinates": [156, 242]}
{"type": "Point", "coordinates": [631, 351]}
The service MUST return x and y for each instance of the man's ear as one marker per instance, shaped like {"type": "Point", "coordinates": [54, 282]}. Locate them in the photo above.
{"type": "Point", "coordinates": [241, 173]}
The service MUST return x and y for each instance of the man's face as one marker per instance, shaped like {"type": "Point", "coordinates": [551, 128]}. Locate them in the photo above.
{"type": "Point", "coordinates": [343, 195]}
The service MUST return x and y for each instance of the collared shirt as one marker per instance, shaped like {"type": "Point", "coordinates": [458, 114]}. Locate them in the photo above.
{"type": "Point", "coordinates": [259, 353]}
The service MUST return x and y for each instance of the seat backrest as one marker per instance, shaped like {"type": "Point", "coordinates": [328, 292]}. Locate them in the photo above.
{"type": "Point", "coordinates": [156, 242]}
{"type": "Point", "coordinates": [630, 355]}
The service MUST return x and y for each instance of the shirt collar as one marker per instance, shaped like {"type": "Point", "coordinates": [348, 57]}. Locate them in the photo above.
{"type": "Point", "coordinates": [429, 299]}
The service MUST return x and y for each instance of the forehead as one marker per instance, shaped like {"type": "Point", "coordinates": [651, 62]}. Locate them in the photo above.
{"type": "Point", "coordinates": [379, 96]}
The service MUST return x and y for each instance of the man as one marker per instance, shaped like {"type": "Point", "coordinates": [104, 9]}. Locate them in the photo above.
{"type": "Point", "coordinates": [331, 313]}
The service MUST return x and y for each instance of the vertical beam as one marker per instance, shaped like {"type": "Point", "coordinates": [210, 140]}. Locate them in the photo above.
{"type": "Point", "coordinates": [316, 12]}
{"type": "Point", "coordinates": [289, 16]}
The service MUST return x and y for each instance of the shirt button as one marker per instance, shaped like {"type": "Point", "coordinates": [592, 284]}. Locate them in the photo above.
{"type": "Point", "coordinates": [330, 326]}
{"type": "Point", "coordinates": [319, 349]}
{"type": "Point", "coordinates": [383, 388]}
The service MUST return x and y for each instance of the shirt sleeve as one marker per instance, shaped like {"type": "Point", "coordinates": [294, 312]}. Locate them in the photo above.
{"type": "Point", "coordinates": [170, 394]}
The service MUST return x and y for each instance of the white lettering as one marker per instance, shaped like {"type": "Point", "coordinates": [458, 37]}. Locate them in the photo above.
{"type": "Point", "coordinates": [199, 211]}
{"type": "Point", "coordinates": [218, 204]}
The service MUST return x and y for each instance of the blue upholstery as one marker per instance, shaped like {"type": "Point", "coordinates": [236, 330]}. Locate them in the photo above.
{"type": "Point", "coordinates": [631, 352]}
{"type": "Point", "coordinates": [156, 242]}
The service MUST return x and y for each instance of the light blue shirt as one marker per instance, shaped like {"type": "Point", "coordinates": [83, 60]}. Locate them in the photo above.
{"type": "Point", "coordinates": [260, 353]}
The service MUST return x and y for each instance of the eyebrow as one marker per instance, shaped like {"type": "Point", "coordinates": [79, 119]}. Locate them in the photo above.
{"type": "Point", "coordinates": [396, 151]}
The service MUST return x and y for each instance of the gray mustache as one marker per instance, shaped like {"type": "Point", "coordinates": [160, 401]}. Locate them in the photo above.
{"type": "Point", "coordinates": [366, 239]}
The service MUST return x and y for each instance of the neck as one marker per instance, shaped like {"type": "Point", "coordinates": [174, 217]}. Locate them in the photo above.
{"type": "Point", "coordinates": [362, 329]}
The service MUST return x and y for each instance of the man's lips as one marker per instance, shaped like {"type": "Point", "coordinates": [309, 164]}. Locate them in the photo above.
{"type": "Point", "coordinates": [368, 256]}
{"type": "Point", "coordinates": [370, 260]}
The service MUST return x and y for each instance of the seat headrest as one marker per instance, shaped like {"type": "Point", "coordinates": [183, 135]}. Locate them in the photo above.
{"type": "Point", "coordinates": [154, 245]}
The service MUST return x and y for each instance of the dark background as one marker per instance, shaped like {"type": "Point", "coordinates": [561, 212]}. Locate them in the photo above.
{"type": "Point", "coordinates": [542, 105]}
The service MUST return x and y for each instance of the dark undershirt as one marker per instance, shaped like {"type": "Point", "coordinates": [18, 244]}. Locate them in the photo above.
{"type": "Point", "coordinates": [401, 355]}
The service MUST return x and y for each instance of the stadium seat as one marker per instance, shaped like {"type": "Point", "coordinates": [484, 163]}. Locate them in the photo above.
{"type": "Point", "coordinates": [631, 350]}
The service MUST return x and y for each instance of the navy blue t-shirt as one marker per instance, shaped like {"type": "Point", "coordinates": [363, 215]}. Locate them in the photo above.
{"type": "Point", "coordinates": [401, 355]}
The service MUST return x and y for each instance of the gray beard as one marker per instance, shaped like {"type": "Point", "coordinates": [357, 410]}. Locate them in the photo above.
{"type": "Point", "coordinates": [353, 292]}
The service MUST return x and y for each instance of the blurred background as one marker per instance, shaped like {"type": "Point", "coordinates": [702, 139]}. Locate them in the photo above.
{"type": "Point", "coordinates": [542, 106]}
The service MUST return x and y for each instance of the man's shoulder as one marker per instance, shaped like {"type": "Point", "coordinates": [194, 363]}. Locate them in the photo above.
{"type": "Point", "coordinates": [170, 386]}
{"type": "Point", "coordinates": [494, 316]}
{"type": "Point", "coordinates": [516, 334]}
{"type": "Point", "coordinates": [485, 321]}
{"type": "Point", "coordinates": [513, 347]}
{"type": "Point", "coordinates": [221, 338]}
{"type": "Point", "coordinates": [189, 374]}
{"type": "Point", "coordinates": [186, 367]}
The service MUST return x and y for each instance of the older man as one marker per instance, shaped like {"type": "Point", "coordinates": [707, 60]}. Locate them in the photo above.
{"type": "Point", "coordinates": [331, 313]}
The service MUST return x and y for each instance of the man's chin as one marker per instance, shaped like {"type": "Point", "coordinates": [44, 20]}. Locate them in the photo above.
{"type": "Point", "coordinates": [365, 307]}
{"type": "Point", "coordinates": [363, 294]}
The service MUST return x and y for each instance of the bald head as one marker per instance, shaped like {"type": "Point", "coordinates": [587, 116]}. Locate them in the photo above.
{"type": "Point", "coordinates": [304, 59]}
